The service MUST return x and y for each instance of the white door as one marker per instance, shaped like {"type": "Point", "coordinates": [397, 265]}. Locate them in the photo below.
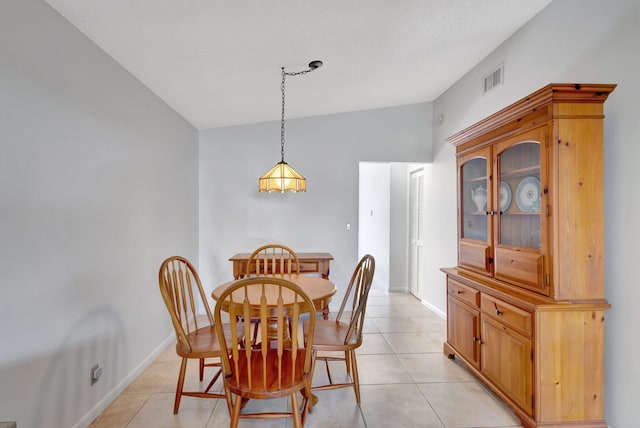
{"type": "Point", "coordinates": [416, 231]}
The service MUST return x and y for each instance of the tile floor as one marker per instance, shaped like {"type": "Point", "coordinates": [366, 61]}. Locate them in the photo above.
{"type": "Point", "coordinates": [406, 381]}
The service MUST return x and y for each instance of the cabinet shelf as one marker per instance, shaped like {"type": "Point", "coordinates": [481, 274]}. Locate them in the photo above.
{"type": "Point", "coordinates": [519, 213]}
{"type": "Point", "coordinates": [476, 179]}
{"type": "Point", "coordinates": [520, 172]}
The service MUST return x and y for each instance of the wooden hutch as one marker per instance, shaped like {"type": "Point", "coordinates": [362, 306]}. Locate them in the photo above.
{"type": "Point", "coordinates": [526, 302]}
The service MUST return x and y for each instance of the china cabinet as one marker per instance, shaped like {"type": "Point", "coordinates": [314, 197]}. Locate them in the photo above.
{"type": "Point", "coordinates": [525, 304]}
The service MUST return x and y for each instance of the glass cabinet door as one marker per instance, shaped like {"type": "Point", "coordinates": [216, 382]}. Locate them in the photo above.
{"type": "Point", "coordinates": [474, 199]}
{"type": "Point", "coordinates": [520, 231]}
{"type": "Point", "coordinates": [519, 195]}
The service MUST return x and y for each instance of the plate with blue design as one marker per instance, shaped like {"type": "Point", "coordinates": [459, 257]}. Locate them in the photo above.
{"type": "Point", "coordinates": [528, 195]}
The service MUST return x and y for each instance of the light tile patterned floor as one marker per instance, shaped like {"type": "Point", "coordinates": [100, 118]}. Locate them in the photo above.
{"type": "Point", "coordinates": [406, 381]}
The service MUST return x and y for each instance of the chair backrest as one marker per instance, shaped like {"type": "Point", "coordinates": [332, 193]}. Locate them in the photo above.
{"type": "Point", "coordinates": [273, 259]}
{"type": "Point", "coordinates": [281, 350]}
{"type": "Point", "coordinates": [357, 293]}
{"type": "Point", "coordinates": [183, 295]}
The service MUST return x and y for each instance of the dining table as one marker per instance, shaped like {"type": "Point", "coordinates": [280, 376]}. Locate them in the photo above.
{"type": "Point", "coordinates": [319, 290]}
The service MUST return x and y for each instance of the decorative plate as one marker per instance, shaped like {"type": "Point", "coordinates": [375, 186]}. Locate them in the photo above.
{"type": "Point", "coordinates": [528, 195]}
{"type": "Point", "coordinates": [505, 196]}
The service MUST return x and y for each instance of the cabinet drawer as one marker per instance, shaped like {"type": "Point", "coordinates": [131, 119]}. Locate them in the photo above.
{"type": "Point", "coordinates": [510, 315]}
{"type": "Point", "coordinates": [309, 267]}
{"type": "Point", "coordinates": [464, 293]}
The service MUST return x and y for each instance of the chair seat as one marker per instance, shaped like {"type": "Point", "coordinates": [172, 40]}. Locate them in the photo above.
{"type": "Point", "coordinates": [204, 342]}
{"type": "Point", "coordinates": [329, 335]}
{"type": "Point", "coordinates": [273, 385]}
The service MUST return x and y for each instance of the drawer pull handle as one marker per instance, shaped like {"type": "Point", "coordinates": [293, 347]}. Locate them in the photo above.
{"type": "Point", "coordinates": [459, 291]}
{"type": "Point", "coordinates": [498, 311]}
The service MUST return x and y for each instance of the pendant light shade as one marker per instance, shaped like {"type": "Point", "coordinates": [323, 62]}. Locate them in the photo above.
{"type": "Point", "coordinates": [282, 177]}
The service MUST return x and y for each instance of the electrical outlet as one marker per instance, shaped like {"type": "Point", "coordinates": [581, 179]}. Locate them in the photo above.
{"type": "Point", "coordinates": [96, 372]}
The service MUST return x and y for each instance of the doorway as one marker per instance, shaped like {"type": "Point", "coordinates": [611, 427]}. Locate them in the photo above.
{"type": "Point", "coordinates": [416, 231]}
{"type": "Point", "coordinates": [391, 223]}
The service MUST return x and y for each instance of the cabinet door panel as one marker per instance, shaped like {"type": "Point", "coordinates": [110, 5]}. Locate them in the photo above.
{"type": "Point", "coordinates": [506, 361]}
{"type": "Point", "coordinates": [475, 226]}
{"type": "Point", "coordinates": [521, 268]}
{"type": "Point", "coordinates": [521, 231]}
{"type": "Point", "coordinates": [475, 256]}
{"type": "Point", "coordinates": [463, 325]}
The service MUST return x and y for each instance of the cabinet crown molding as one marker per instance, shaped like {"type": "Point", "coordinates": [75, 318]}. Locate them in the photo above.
{"type": "Point", "coordinates": [544, 97]}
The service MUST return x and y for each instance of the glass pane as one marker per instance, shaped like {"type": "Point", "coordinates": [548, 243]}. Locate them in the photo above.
{"type": "Point", "coordinates": [474, 199]}
{"type": "Point", "coordinates": [519, 195]}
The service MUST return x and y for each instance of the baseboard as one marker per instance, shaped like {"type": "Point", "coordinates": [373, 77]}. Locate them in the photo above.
{"type": "Point", "coordinates": [123, 384]}
{"type": "Point", "coordinates": [437, 311]}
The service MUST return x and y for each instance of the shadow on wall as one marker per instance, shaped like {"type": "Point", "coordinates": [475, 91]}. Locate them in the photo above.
{"type": "Point", "coordinates": [66, 393]}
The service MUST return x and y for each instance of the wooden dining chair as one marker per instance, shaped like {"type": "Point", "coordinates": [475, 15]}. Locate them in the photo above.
{"type": "Point", "coordinates": [281, 365]}
{"type": "Point", "coordinates": [272, 259]}
{"type": "Point", "coordinates": [196, 335]}
{"type": "Point", "coordinates": [344, 334]}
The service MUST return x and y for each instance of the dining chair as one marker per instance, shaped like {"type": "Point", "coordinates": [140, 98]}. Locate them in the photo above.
{"type": "Point", "coordinates": [344, 334]}
{"type": "Point", "coordinates": [192, 321]}
{"type": "Point", "coordinates": [281, 364]}
{"type": "Point", "coordinates": [273, 259]}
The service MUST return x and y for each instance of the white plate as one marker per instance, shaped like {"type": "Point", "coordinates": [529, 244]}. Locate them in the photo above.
{"type": "Point", "coordinates": [505, 196]}
{"type": "Point", "coordinates": [528, 195]}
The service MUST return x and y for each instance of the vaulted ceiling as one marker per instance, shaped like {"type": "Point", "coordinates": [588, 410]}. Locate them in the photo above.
{"type": "Point", "coordinates": [218, 62]}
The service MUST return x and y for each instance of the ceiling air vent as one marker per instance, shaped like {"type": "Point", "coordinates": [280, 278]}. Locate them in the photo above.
{"type": "Point", "coordinates": [493, 79]}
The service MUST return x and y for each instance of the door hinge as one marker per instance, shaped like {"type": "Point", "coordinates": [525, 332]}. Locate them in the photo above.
{"type": "Point", "coordinates": [546, 210]}
{"type": "Point", "coordinates": [532, 402]}
{"type": "Point", "coordinates": [546, 141]}
{"type": "Point", "coordinates": [548, 279]}
{"type": "Point", "coordinates": [531, 355]}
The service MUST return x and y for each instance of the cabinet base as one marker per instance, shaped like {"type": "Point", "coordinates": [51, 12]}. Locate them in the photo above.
{"type": "Point", "coordinates": [526, 420]}
{"type": "Point", "coordinates": [578, 424]}
{"type": "Point", "coordinates": [448, 350]}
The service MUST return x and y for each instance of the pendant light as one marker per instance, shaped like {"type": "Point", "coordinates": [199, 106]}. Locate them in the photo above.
{"type": "Point", "coordinates": [282, 176]}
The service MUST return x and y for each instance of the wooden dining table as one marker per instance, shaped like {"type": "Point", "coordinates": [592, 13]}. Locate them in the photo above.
{"type": "Point", "coordinates": [319, 290]}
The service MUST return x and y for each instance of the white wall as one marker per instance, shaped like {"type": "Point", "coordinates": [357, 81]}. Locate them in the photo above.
{"type": "Point", "coordinates": [98, 183]}
{"type": "Point", "coordinates": [374, 218]}
{"type": "Point", "coordinates": [570, 41]}
{"type": "Point", "coordinates": [234, 217]}
{"type": "Point", "coordinates": [399, 227]}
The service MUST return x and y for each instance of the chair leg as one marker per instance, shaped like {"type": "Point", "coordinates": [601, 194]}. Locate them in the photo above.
{"type": "Point", "coordinates": [235, 416]}
{"type": "Point", "coordinates": [295, 410]}
{"type": "Point", "coordinates": [201, 369]}
{"type": "Point", "coordinates": [310, 400]}
{"type": "Point", "coordinates": [347, 360]}
{"type": "Point", "coordinates": [229, 399]}
{"type": "Point", "coordinates": [326, 363]}
{"type": "Point", "coordinates": [213, 380]}
{"type": "Point", "coordinates": [354, 375]}
{"type": "Point", "coordinates": [183, 370]}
